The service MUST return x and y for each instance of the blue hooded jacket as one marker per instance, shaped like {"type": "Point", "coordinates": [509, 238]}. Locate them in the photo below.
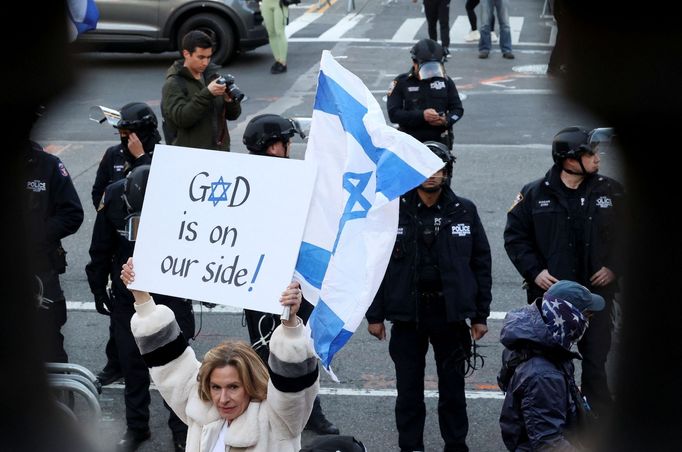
{"type": "Point", "coordinates": [538, 408]}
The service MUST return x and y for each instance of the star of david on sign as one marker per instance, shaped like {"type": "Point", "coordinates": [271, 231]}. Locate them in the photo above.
{"type": "Point", "coordinates": [215, 186]}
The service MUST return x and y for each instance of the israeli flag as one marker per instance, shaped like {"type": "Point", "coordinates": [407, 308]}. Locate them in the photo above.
{"type": "Point", "coordinates": [363, 165]}
{"type": "Point", "coordinates": [83, 16]}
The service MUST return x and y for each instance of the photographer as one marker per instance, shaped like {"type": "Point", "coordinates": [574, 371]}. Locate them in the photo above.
{"type": "Point", "coordinates": [196, 102]}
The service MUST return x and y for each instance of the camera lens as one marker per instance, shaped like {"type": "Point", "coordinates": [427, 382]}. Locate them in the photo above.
{"type": "Point", "coordinates": [236, 93]}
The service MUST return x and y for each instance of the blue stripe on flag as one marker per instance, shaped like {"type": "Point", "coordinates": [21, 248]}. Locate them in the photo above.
{"type": "Point", "coordinates": [327, 332]}
{"type": "Point", "coordinates": [394, 176]}
{"type": "Point", "coordinates": [312, 263]}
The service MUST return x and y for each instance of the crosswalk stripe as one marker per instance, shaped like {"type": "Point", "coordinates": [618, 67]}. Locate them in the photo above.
{"type": "Point", "coordinates": [343, 26]}
{"type": "Point", "coordinates": [301, 22]}
{"type": "Point", "coordinates": [459, 29]}
{"type": "Point", "coordinates": [516, 24]}
{"type": "Point", "coordinates": [408, 29]}
{"type": "Point", "coordinates": [407, 32]}
{"type": "Point", "coordinates": [219, 309]}
{"type": "Point", "coordinates": [361, 392]}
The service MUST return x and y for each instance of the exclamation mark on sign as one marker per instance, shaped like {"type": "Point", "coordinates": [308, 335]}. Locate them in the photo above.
{"type": "Point", "coordinates": [255, 273]}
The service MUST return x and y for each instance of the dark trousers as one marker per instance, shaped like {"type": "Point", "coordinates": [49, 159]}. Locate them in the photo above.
{"type": "Point", "coordinates": [113, 364]}
{"type": "Point", "coordinates": [135, 370]}
{"type": "Point", "coordinates": [594, 348]}
{"type": "Point", "coordinates": [559, 56]}
{"type": "Point", "coordinates": [438, 11]}
{"type": "Point", "coordinates": [51, 318]}
{"type": "Point", "coordinates": [261, 324]}
{"type": "Point", "coordinates": [470, 6]}
{"type": "Point", "coordinates": [408, 346]}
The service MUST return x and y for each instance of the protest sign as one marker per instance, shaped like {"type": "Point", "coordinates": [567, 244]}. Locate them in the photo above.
{"type": "Point", "coordinates": [221, 227]}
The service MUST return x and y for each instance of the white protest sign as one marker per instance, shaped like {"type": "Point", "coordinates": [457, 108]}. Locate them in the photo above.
{"type": "Point", "coordinates": [222, 227]}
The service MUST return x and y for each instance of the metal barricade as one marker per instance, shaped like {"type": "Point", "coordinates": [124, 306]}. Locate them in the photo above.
{"type": "Point", "coordinates": [74, 379]}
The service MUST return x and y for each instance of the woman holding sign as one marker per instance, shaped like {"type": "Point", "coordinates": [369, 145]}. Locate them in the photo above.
{"type": "Point", "coordinates": [231, 399]}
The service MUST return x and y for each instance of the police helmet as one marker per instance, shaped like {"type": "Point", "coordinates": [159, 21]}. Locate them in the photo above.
{"type": "Point", "coordinates": [135, 187]}
{"type": "Point", "coordinates": [445, 155]}
{"type": "Point", "coordinates": [427, 50]}
{"type": "Point", "coordinates": [601, 138]}
{"type": "Point", "coordinates": [428, 55]}
{"type": "Point", "coordinates": [571, 143]}
{"type": "Point", "coordinates": [137, 116]}
{"type": "Point", "coordinates": [264, 130]}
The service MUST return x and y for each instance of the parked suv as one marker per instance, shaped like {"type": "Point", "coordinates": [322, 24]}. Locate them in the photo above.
{"type": "Point", "coordinates": [159, 25]}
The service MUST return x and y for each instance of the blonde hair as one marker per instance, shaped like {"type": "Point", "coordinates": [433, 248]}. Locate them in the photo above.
{"type": "Point", "coordinates": [238, 354]}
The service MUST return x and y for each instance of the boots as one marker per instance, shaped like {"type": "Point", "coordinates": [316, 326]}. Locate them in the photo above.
{"type": "Point", "coordinates": [318, 423]}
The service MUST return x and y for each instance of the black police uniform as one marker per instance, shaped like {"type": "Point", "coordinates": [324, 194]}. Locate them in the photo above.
{"type": "Point", "coordinates": [111, 168]}
{"type": "Point", "coordinates": [408, 97]}
{"type": "Point", "coordinates": [572, 234]}
{"type": "Point", "coordinates": [260, 326]}
{"type": "Point", "coordinates": [109, 250]}
{"type": "Point", "coordinates": [52, 211]}
{"type": "Point", "coordinates": [438, 276]}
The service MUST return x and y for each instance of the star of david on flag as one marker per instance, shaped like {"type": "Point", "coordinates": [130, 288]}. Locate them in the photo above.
{"type": "Point", "coordinates": [364, 165]}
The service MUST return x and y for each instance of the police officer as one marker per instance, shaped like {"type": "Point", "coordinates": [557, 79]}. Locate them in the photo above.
{"type": "Point", "coordinates": [139, 135]}
{"type": "Point", "coordinates": [438, 276]}
{"type": "Point", "coordinates": [110, 248]}
{"type": "Point", "coordinates": [52, 211]}
{"type": "Point", "coordinates": [136, 118]}
{"type": "Point", "coordinates": [565, 226]}
{"type": "Point", "coordinates": [424, 102]}
{"type": "Point", "coordinates": [270, 135]}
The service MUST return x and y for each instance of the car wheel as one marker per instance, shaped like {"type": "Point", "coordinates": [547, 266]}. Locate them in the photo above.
{"type": "Point", "coordinates": [218, 29]}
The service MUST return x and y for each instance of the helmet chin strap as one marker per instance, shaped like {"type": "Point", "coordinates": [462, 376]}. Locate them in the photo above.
{"type": "Point", "coordinates": [582, 167]}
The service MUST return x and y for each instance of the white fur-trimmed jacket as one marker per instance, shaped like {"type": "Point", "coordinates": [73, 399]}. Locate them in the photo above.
{"type": "Point", "coordinates": [274, 424]}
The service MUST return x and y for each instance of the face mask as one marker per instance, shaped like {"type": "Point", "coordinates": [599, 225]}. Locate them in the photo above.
{"type": "Point", "coordinates": [148, 138]}
{"type": "Point", "coordinates": [564, 321]}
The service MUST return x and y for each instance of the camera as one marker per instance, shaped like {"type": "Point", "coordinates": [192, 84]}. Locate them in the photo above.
{"type": "Point", "coordinates": [235, 93]}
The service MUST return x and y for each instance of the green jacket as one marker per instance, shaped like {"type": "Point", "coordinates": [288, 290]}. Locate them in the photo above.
{"type": "Point", "coordinates": [199, 117]}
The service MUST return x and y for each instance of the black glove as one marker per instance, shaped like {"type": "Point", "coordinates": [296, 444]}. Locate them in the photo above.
{"type": "Point", "coordinates": [102, 303]}
{"type": "Point", "coordinates": [208, 305]}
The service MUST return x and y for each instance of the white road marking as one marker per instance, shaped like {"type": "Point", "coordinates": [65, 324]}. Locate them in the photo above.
{"type": "Point", "coordinates": [301, 22]}
{"type": "Point", "coordinates": [429, 394]}
{"type": "Point", "coordinates": [516, 24]}
{"type": "Point", "coordinates": [88, 306]}
{"type": "Point", "coordinates": [408, 29]}
{"type": "Point", "coordinates": [343, 26]}
{"type": "Point", "coordinates": [459, 30]}
{"type": "Point", "coordinates": [406, 32]}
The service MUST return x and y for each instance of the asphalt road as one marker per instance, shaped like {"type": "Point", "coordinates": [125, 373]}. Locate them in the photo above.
{"type": "Point", "coordinates": [512, 110]}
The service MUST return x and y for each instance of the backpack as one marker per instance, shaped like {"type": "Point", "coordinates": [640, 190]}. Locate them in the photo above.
{"type": "Point", "coordinates": [170, 130]}
{"type": "Point", "coordinates": [510, 364]}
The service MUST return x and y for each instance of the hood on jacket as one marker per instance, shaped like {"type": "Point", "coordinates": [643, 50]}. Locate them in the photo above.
{"type": "Point", "coordinates": [554, 328]}
{"type": "Point", "coordinates": [178, 68]}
